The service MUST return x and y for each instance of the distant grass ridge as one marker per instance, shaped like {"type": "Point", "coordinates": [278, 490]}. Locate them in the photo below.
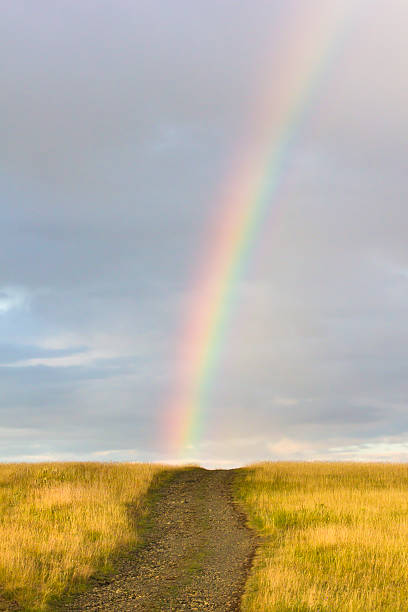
{"type": "Point", "coordinates": [62, 522]}
{"type": "Point", "coordinates": [336, 536]}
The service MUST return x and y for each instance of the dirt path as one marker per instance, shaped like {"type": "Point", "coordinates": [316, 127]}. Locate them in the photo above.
{"type": "Point", "coordinates": [197, 555]}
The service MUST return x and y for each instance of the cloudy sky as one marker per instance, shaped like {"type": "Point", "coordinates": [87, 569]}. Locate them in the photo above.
{"type": "Point", "coordinates": [119, 121]}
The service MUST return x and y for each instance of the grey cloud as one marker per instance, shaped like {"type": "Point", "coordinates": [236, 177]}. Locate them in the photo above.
{"type": "Point", "coordinates": [10, 353]}
{"type": "Point", "coordinates": [119, 123]}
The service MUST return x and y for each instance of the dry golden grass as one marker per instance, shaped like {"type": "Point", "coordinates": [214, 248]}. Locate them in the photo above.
{"type": "Point", "coordinates": [336, 537]}
{"type": "Point", "coordinates": [62, 522]}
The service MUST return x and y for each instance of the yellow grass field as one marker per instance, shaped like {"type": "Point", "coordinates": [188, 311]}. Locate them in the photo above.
{"type": "Point", "coordinates": [336, 537]}
{"type": "Point", "coordinates": [62, 522]}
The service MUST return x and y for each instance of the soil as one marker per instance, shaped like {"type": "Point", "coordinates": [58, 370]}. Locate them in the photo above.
{"type": "Point", "coordinates": [7, 605]}
{"type": "Point", "coordinates": [196, 556]}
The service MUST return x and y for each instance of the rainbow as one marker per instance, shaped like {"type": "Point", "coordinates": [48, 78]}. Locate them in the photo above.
{"type": "Point", "coordinates": [247, 197]}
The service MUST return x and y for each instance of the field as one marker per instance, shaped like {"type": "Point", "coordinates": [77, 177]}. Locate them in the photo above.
{"type": "Point", "coordinates": [335, 537]}
{"type": "Point", "coordinates": [60, 523]}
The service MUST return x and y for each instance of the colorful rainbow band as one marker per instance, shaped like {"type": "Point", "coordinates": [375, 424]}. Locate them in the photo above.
{"type": "Point", "coordinates": [248, 195]}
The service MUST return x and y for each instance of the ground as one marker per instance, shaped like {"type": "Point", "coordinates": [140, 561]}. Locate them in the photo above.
{"type": "Point", "coordinates": [197, 553]}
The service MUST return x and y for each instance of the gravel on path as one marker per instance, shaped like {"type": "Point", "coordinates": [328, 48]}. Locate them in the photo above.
{"type": "Point", "coordinates": [197, 555]}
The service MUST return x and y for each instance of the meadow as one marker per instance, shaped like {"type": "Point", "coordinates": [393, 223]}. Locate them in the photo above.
{"type": "Point", "coordinates": [335, 537]}
{"type": "Point", "coordinates": [60, 523]}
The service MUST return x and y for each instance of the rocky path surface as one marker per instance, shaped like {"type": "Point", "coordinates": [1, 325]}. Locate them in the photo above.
{"type": "Point", "coordinates": [197, 555]}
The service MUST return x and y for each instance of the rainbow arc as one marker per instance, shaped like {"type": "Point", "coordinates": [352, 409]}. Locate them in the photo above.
{"type": "Point", "coordinates": [247, 196]}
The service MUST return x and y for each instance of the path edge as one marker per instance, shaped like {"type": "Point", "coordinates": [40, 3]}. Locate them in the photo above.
{"type": "Point", "coordinates": [243, 518]}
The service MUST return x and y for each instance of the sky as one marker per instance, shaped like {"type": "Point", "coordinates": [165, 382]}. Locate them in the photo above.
{"type": "Point", "coordinates": [119, 121]}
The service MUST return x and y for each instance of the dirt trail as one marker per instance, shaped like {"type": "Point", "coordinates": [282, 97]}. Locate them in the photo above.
{"type": "Point", "coordinates": [197, 555]}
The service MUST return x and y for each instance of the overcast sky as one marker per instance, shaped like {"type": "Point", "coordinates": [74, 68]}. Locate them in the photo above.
{"type": "Point", "coordinates": [118, 123]}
